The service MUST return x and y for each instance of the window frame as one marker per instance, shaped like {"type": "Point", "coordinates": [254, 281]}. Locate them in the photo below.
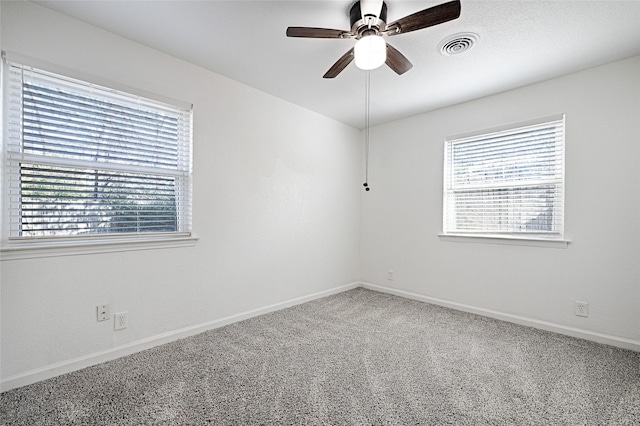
{"type": "Point", "coordinates": [548, 239]}
{"type": "Point", "coordinates": [12, 247]}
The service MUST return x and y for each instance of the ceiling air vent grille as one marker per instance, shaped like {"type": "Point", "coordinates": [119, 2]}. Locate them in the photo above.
{"type": "Point", "coordinates": [457, 43]}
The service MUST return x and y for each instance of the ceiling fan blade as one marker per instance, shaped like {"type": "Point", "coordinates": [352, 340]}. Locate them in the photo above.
{"type": "Point", "coordinates": [425, 18]}
{"type": "Point", "coordinates": [397, 61]}
{"type": "Point", "coordinates": [340, 65]}
{"type": "Point", "coordinates": [308, 32]}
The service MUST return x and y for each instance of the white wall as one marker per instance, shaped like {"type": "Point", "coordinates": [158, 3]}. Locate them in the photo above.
{"type": "Point", "coordinates": [402, 215]}
{"type": "Point", "coordinates": [277, 205]}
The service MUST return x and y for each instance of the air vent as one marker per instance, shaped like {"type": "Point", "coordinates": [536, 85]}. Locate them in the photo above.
{"type": "Point", "coordinates": [457, 43]}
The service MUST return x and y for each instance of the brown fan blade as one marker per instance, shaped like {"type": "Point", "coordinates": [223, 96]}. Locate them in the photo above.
{"type": "Point", "coordinates": [308, 32]}
{"type": "Point", "coordinates": [425, 18]}
{"type": "Point", "coordinates": [397, 61]}
{"type": "Point", "coordinates": [340, 65]}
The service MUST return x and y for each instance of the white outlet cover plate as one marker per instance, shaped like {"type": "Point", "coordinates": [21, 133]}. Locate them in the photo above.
{"type": "Point", "coordinates": [582, 309]}
{"type": "Point", "coordinates": [120, 320]}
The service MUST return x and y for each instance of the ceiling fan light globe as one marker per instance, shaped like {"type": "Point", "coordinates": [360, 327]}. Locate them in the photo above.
{"type": "Point", "coordinates": [370, 52]}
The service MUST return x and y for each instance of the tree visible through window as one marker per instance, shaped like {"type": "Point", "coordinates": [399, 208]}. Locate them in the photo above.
{"type": "Point", "coordinates": [87, 160]}
{"type": "Point", "coordinates": [508, 182]}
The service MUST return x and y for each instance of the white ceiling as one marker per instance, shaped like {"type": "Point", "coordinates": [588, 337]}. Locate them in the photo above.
{"type": "Point", "coordinates": [520, 42]}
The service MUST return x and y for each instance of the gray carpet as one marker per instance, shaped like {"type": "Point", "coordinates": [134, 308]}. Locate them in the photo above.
{"type": "Point", "coordinates": [359, 357]}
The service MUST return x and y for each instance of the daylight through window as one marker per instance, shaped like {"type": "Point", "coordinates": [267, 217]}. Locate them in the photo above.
{"type": "Point", "coordinates": [506, 183]}
{"type": "Point", "coordinates": [84, 160]}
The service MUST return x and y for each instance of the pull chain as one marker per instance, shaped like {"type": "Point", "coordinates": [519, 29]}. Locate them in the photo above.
{"type": "Point", "coordinates": [367, 108]}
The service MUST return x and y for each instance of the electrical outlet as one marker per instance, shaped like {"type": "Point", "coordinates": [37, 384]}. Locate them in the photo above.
{"type": "Point", "coordinates": [104, 312]}
{"type": "Point", "coordinates": [582, 309]}
{"type": "Point", "coordinates": [390, 275]}
{"type": "Point", "coordinates": [121, 320]}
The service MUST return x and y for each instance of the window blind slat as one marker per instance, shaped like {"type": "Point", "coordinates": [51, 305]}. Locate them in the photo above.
{"type": "Point", "coordinates": [38, 114]}
{"type": "Point", "coordinates": [57, 101]}
{"type": "Point", "coordinates": [62, 129]}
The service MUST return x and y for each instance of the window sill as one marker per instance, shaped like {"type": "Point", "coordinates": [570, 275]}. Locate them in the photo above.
{"type": "Point", "coordinates": [37, 249]}
{"type": "Point", "coordinates": [514, 241]}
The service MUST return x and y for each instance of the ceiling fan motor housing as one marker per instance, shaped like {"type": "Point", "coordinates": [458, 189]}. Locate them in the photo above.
{"type": "Point", "coordinates": [358, 25]}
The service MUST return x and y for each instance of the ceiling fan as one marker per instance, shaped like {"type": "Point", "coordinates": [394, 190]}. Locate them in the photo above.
{"type": "Point", "coordinates": [368, 25]}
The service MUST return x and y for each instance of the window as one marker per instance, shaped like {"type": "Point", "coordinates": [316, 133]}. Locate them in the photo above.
{"type": "Point", "coordinates": [506, 183]}
{"type": "Point", "coordinates": [85, 160]}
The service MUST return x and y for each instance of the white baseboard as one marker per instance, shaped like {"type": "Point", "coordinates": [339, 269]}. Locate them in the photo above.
{"type": "Point", "coordinates": [79, 363]}
{"type": "Point", "coordinates": [606, 339]}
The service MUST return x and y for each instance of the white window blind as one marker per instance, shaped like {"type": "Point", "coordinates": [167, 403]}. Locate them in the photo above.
{"type": "Point", "coordinates": [82, 159]}
{"type": "Point", "coordinates": [506, 183]}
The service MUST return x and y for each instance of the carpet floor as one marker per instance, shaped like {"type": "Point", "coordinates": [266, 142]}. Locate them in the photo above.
{"type": "Point", "coordinates": [355, 358]}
